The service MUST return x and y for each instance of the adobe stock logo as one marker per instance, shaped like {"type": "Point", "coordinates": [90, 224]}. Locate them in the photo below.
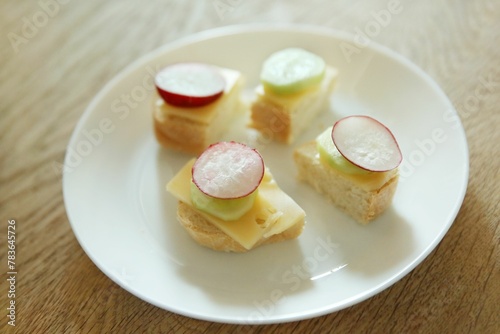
{"type": "Point", "coordinates": [32, 24]}
{"type": "Point", "coordinates": [372, 28]}
{"type": "Point", "coordinates": [426, 147]}
{"type": "Point", "coordinates": [85, 146]}
{"type": "Point", "coordinates": [222, 7]}
{"type": "Point", "coordinates": [119, 110]}
{"type": "Point", "coordinates": [294, 277]}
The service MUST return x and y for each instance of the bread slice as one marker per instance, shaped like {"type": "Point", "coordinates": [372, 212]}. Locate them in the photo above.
{"type": "Point", "coordinates": [191, 130]}
{"type": "Point", "coordinates": [284, 117]}
{"type": "Point", "coordinates": [208, 235]}
{"type": "Point", "coordinates": [364, 197]}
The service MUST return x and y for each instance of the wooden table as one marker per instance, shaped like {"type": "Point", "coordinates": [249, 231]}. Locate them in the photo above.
{"type": "Point", "coordinates": [56, 55]}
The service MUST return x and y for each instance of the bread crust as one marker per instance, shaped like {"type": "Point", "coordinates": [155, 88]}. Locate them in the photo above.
{"type": "Point", "coordinates": [363, 204]}
{"type": "Point", "coordinates": [179, 134]}
{"type": "Point", "coordinates": [208, 235]}
{"type": "Point", "coordinates": [271, 120]}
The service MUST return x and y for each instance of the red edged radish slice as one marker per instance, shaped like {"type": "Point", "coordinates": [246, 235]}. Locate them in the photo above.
{"type": "Point", "coordinates": [367, 143]}
{"type": "Point", "coordinates": [190, 84]}
{"type": "Point", "coordinates": [228, 170]}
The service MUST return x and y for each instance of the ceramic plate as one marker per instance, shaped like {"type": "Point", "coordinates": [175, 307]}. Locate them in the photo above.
{"type": "Point", "coordinates": [115, 175]}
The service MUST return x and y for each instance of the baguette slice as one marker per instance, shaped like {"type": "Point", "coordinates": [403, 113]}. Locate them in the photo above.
{"type": "Point", "coordinates": [208, 235]}
{"type": "Point", "coordinates": [364, 197]}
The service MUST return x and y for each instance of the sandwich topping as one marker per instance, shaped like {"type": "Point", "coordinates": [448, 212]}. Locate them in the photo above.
{"type": "Point", "coordinates": [190, 85]}
{"type": "Point", "coordinates": [291, 71]}
{"type": "Point", "coordinates": [225, 178]}
{"type": "Point", "coordinates": [367, 143]}
{"type": "Point", "coordinates": [359, 145]}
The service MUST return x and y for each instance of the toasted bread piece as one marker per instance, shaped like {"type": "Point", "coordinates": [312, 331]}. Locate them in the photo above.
{"type": "Point", "coordinates": [208, 235]}
{"type": "Point", "coordinates": [363, 197]}
{"type": "Point", "coordinates": [191, 130]}
{"type": "Point", "coordinates": [284, 117]}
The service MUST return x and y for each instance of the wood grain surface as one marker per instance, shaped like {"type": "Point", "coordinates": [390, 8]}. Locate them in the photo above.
{"type": "Point", "coordinates": [57, 54]}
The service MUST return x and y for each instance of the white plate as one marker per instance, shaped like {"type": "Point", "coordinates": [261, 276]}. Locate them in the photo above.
{"type": "Point", "coordinates": [115, 176]}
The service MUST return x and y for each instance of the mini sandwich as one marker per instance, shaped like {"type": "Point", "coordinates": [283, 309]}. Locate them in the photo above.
{"type": "Point", "coordinates": [354, 164]}
{"type": "Point", "coordinates": [194, 105]}
{"type": "Point", "coordinates": [229, 201]}
{"type": "Point", "coordinates": [295, 87]}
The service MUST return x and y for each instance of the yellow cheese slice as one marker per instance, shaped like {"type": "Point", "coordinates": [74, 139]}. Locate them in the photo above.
{"type": "Point", "coordinates": [272, 213]}
{"type": "Point", "coordinates": [205, 114]}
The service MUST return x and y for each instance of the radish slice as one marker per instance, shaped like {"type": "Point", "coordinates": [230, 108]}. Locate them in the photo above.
{"type": "Point", "coordinates": [190, 84]}
{"type": "Point", "coordinates": [228, 170]}
{"type": "Point", "coordinates": [367, 143]}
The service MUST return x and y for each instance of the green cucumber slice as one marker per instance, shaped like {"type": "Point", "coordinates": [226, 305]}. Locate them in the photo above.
{"type": "Point", "coordinates": [225, 209]}
{"type": "Point", "coordinates": [292, 70]}
{"type": "Point", "coordinates": [329, 153]}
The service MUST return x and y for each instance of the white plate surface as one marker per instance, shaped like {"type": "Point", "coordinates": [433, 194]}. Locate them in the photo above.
{"type": "Point", "coordinates": [115, 175]}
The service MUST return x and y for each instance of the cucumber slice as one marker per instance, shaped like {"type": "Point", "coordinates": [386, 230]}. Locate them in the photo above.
{"type": "Point", "coordinates": [292, 70]}
{"type": "Point", "coordinates": [329, 153]}
{"type": "Point", "coordinates": [225, 209]}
